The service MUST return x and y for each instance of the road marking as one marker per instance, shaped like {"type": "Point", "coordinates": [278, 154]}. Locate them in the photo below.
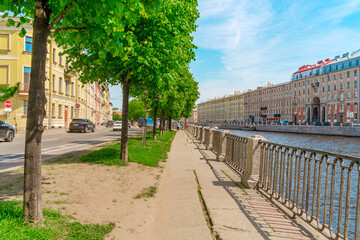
{"type": "Point", "coordinates": [51, 139]}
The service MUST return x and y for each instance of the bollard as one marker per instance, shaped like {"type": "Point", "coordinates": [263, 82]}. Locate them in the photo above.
{"type": "Point", "coordinates": [251, 174]}
{"type": "Point", "coordinates": [220, 156]}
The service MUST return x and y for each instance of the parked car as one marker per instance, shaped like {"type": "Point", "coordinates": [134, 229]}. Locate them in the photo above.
{"type": "Point", "coordinates": [7, 132]}
{"type": "Point", "coordinates": [109, 123]}
{"type": "Point", "coordinates": [326, 124]}
{"type": "Point", "coordinates": [346, 124]}
{"type": "Point", "coordinates": [117, 126]}
{"type": "Point", "coordinates": [149, 122]}
{"type": "Point", "coordinates": [337, 124]}
{"type": "Point", "coordinates": [81, 125]}
{"type": "Point", "coordinates": [316, 123]}
{"type": "Point", "coordinates": [356, 124]}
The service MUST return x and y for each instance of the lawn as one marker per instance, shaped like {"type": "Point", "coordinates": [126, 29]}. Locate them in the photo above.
{"type": "Point", "coordinates": [150, 155]}
{"type": "Point", "coordinates": [55, 225]}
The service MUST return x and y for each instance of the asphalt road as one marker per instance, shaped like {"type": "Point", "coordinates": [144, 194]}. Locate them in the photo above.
{"type": "Point", "coordinates": [55, 143]}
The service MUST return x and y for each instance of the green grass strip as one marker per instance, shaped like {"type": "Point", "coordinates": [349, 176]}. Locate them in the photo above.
{"type": "Point", "coordinates": [238, 185]}
{"type": "Point", "coordinates": [54, 226]}
{"type": "Point", "coordinates": [150, 155]}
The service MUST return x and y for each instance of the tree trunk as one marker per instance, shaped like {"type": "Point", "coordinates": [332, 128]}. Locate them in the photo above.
{"type": "Point", "coordinates": [155, 123]}
{"type": "Point", "coordinates": [169, 123]}
{"type": "Point", "coordinates": [163, 122]}
{"type": "Point", "coordinates": [33, 211]}
{"type": "Point", "coordinates": [125, 115]}
{"type": "Point", "coordinates": [145, 125]}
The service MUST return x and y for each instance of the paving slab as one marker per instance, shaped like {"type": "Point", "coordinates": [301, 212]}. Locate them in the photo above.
{"type": "Point", "coordinates": [243, 213]}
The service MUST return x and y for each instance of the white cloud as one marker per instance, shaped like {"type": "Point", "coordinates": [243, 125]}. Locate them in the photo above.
{"type": "Point", "coordinates": [261, 41]}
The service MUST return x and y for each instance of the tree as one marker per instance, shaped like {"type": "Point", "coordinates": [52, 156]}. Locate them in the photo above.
{"type": "Point", "coordinates": [160, 41]}
{"type": "Point", "coordinates": [117, 117]}
{"type": "Point", "coordinates": [136, 110]}
{"type": "Point", "coordinates": [84, 22]}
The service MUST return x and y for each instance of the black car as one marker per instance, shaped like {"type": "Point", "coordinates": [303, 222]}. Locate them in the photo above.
{"type": "Point", "coordinates": [7, 132]}
{"type": "Point", "coordinates": [82, 125]}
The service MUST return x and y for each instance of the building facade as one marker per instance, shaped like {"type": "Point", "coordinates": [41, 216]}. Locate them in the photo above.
{"type": "Point", "coordinates": [329, 91]}
{"type": "Point", "coordinates": [63, 90]}
{"type": "Point", "coordinates": [270, 103]}
{"type": "Point", "coordinates": [229, 108]}
{"type": "Point", "coordinates": [326, 92]}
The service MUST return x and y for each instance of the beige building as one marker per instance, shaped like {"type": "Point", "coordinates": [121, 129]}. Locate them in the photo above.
{"type": "Point", "coordinates": [327, 91]}
{"type": "Point", "coordinates": [270, 103]}
{"type": "Point", "coordinates": [64, 91]}
{"type": "Point", "coordinates": [229, 108]}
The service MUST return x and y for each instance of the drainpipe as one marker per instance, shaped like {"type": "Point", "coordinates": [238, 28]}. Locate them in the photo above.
{"type": "Point", "coordinates": [50, 82]}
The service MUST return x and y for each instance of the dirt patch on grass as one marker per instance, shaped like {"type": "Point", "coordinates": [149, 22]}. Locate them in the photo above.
{"type": "Point", "coordinates": [92, 193]}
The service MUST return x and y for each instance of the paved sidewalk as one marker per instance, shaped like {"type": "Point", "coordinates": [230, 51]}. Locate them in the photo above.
{"type": "Point", "coordinates": [235, 214]}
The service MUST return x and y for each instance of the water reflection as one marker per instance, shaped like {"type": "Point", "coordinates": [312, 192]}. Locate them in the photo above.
{"type": "Point", "coordinates": [339, 145]}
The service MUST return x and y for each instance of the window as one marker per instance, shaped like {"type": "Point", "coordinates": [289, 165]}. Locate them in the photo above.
{"type": "Point", "coordinates": [72, 89]}
{"type": "Point", "coordinates": [54, 55]}
{"type": "Point", "coordinates": [341, 85]}
{"type": "Point", "coordinates": [335, 76]}
{"type": "Point", "coordinates": [323, 79]}
{"type": "Point", "coordinates": [53, 110]}
{"type": "Point", "coordinates": [355, 72]}
{"type": "Point", "coordinates": [348, 84]}
{"type": "Point", "coordinates": [323, 88]}
{"type": "Point", "coordinates": [53, 82]}
{"type": "Point", "coordinates": [329, 87]}
{"type": "Point", "coordinates": [329, 116]}
{"type": "Point", "coordinates": [341, 107]}
{"type": "Point", "coordinates": [67, 83]}
{"type": "Point", "coordinates": [348, 95]}
{"type": "Point", "coordinates": [28, 44]}
{"type": "Point", "coordinates": [60, 60]}
{"type": "Point", "coordinates": [348, 74]}
{"type": "Point", "coordinates": [335, 87]}
{"type": "Point", "coordinates": [316, 90]}
{"type": "Point", "coordinates": [60, 111]}
{"type": "Point", "coordinates": [335, 97]}
{"type": "Point", "coordinates": [25, 107]}
{"type": "Point", "coordinates": [60, 84]}
{"type": "Point", "coordinates": [355, 84]}
{"type": "Point", "coordinates": [26, 83]}
{"type": "Point", "coordinates": [342, 97]}
{"type": "Point", "coordinates": [5, 41]}
{"type": "Point", "coordinates": [335, 117]}
{"type": "Point", "coordinates": [355, 94]}
{"type": "Point", "coordinates": [4, 74]}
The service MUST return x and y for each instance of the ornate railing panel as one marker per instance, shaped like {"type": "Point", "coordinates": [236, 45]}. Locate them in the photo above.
{"type": "Point", "coordinates": [216, 141]}
{"type": "Point", "coordinates": [320, 187]}
{"type": "Point", "coordinates": [236, 152]}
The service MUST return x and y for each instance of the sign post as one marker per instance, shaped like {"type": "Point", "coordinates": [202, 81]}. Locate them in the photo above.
{"type": "Point", "coordinates": [77, 108]}
{"type": "Point", "coordinates": [7, 109]}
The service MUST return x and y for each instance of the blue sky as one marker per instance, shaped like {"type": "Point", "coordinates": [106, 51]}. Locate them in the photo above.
{"type": "Point", "coordinates": [243, 44]}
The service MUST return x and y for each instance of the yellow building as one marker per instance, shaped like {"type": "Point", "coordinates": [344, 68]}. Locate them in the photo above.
{"type": "Point", "coordinates": [229, 108]}
{"type": "Point", "coordinates": [63, 90]}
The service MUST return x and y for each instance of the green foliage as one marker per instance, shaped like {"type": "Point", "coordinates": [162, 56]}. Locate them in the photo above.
{"type": "Point", "coordinates": [8, 92]}
{"type": "Point", "coordinates": [147, 192]}
{"type": "Point", "coordinates": [150, 155]}
{"type": "Point", "coordinates": [136, 110]}
{"type": "Point", "coordinates": [117, 117]}
{"type": "Point", "coordinates": [55, 226]}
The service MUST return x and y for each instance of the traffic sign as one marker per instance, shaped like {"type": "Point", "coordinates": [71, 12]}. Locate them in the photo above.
{"type": "Point", "coordinates": [8, 104]}
{"type": "Point", "coordinates": [7, 109]}
{"type": "Point", "coordinates": [77, 105]}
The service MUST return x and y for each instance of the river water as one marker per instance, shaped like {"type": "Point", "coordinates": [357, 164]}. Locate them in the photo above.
{"type": "Point", "coordinates": [349, 146]}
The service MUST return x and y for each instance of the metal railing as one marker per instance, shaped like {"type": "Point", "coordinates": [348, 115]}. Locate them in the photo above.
{"type": "Point", "coordinates": [236, 152]}
{"type": "Point", "coordinates": [314, 185]}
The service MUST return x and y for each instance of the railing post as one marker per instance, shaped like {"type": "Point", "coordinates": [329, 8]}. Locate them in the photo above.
{"type": "Point", "coordinates": [210, 144]}
{"type": "Point", "coordinates": [251, 174]}
{"type": "Point", "coordinates": [220, 155]}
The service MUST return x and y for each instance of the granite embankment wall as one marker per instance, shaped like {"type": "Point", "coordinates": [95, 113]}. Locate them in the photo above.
{"type": "Point", "coordinates": [319, 130]}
